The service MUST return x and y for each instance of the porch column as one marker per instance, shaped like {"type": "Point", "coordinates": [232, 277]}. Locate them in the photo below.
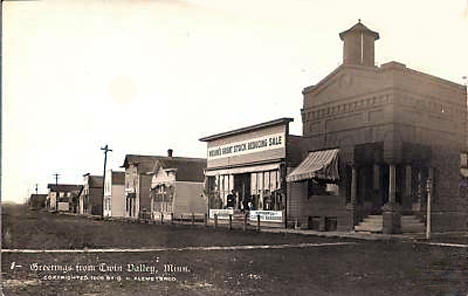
{"type": "Point", "coordinates": [430, 175]}
{"type": "Point", "coordinates": [417, 206]}
{"type": "Point", "coordinates": [376, 174]}
{"type": "Point", "coordinates": [391, 213]}
{"type": "Point", "coordinates": [354, 177]}
{"type": "Point", "coordinates": [351, 206]}
{"type": "Point", "coordinates": [392, 184]}
{"type": "Point", "coordinates": [406, 202]}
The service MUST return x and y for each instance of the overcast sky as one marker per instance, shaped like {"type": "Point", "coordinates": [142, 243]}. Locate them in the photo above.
{"type": "Point", "coordinates": [144, 76]}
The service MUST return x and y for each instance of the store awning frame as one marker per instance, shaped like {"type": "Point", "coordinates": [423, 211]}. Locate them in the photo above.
{"type": "Point", "coordinates": [322, 164]}
{"type": "Point", "coordinates": [243, 169]}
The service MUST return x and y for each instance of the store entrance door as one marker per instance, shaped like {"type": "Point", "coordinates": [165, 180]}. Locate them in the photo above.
{"type": "Point", "coordinates": [242, 189]}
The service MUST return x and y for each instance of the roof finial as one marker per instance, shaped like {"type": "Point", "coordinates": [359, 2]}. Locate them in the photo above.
{"type": "Point", "coordinates": [359, 20]}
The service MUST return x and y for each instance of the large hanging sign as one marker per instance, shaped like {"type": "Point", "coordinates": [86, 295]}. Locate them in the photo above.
{"type": "Point", "coordinates": [267, 216]}
{"type": "Point", "coordinates": [264, 143]}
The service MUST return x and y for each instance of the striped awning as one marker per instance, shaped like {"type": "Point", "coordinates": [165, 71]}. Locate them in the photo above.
{"type": "Point", "coordinates": [319, 165]}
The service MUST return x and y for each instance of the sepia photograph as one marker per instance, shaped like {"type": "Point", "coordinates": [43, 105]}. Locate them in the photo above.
{"type": "Point", "coordinates": [221, 147]}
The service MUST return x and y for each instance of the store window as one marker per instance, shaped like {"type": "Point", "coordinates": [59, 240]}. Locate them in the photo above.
{"type": "Point", "coordinates": [162, 198]}
{"type": "Point", "coordinates": [321, 187]}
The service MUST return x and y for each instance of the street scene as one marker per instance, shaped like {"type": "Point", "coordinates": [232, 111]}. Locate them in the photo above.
{"type": "Point", "coordinates": [321, 266]}
{"type": "Point", "coordinates": [206, 148]}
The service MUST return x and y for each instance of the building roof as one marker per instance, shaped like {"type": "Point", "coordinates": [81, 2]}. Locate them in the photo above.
{"type": "Point", "coordinates": [38, 196]}
{"type": "Point", "coordinates": [359, 27]}
{"type": "Point", "coordinates": [118, 178]}
{"type": "Point", "coordinates": [187, 169]}
{"type": "Point", "coordinates": [145, 162]}
{"type": "Point", "coordinates": [64, 187]}
{"type": "Point", "coordinates": [250, 128]}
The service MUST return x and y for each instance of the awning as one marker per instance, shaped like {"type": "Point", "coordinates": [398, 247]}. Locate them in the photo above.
{"type": "Point", "coordinates": [319, 164]}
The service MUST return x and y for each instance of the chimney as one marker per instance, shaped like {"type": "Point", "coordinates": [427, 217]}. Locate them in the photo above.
{"type": "Point", "coordinates": [358, 47]}
{"type": "Point", "coordinates": [169, 153]}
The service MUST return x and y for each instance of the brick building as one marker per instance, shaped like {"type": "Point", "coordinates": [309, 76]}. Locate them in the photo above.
{"type": "Point", "coordinates": [377, 136]}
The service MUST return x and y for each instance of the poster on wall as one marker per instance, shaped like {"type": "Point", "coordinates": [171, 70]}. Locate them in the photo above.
{"type": "Point", "coordinates": [266, 216]}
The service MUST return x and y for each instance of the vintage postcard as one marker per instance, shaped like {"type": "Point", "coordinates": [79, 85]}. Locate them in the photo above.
{"type": "Point", "coordinates": [196, 147]}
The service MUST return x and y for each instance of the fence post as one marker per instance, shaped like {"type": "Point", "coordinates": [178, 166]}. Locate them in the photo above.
{"type": "Point", "coordinates": [230, 221]}
{"type": "Point", "coordinates": [193, 219]}
{"type": "Point", "coordinates": [245, 222]}
{"type": "Point", "coordinates": [258, 222]}
{"type": "Point", "coordinates": [206, 219]}
{"type": "Point", "coordinates": [215, 221]}
{"type": "Point", "coordinates": [172, 218]}
{"type": "Point", "coordinates": [162, 218]}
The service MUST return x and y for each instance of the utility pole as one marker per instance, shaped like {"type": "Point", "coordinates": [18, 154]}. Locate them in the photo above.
{"type": "Point", "coordinates": [105, 149]}
{"type": "Point", "coordinates": [56, 178]}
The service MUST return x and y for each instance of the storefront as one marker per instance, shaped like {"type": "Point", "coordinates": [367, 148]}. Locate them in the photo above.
{"type": "Point", "coordinates": [247, 168]}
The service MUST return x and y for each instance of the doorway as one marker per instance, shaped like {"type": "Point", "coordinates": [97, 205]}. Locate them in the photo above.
{"type": "Point", "coordinates": [242, 189]}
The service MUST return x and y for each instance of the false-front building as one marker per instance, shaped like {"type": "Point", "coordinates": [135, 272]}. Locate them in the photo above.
{"type": "Point", "coordinates": [177, 187]}
{"type": "Point", "coordinates": [378, 137]}
{"type": "Point", "coordinates": [247, 168]}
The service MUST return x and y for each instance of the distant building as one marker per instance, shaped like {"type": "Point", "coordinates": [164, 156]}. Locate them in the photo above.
{"type": "Point", "coordinates": [114, 194]}
{"type": "Point", "coordinates": [377, 137]}
{"type": "Point", "coordinates": [138, 176]}
{"type": "Point", "coordinates": [177, 187]}
{"type": "Point", "coordinates": [62, 197]}
{"type": "Point", "coordinates": [90, 199]}
{"type": "Point", "coordinates": [37, 201]}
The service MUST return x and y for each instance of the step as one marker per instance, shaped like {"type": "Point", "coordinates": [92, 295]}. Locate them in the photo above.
{"type": "Point", "coordinates": [417, 229]}
{"type": "Point", "coordinates": [363, 228]}
{"type": "Point", "coordinates": [375, 217]}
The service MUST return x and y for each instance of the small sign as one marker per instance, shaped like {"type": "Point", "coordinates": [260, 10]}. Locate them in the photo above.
{"type": "Point", "coordinates": [222, 213]}
{"type": "Point", "coordinates": [266, 216]}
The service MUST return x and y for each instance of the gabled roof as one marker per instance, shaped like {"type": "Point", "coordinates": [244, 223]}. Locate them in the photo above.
{"type": "Point", "coordinates": [187, 169]}
{"type": "Point", "coordinates": [145, 162]}
{"type": "Point", "coordinates": [250, 128]}
{"type": "Point", "coordinates": [359, 27]}
{"type": "Point", "coordinates": [118, 178]}
{"type": "Point", "coordinates": [64, 187]}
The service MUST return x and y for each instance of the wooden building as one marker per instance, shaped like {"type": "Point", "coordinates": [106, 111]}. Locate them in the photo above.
{"type": "Point", "coordinates": [247, 168]}
{"type": "Point", "coordinates": [114, 194]}
{"type": "Point", "coordinates": [90, 198]}
{"type": "Point", "coordinates": [63, 197]}
{"type": "Point", "coordinates": [177, 187]}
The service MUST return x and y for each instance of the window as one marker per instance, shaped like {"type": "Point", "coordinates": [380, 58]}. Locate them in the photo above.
{"type": "Point", "coordinates": [321, 187]}
{"type": "Point", "coordinates": [464, 160]}
{"type": "Point", "coordinates": [162, 199]}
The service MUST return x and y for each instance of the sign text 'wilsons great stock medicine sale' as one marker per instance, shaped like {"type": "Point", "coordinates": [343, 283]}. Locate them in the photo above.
{"type": "Point", "coordinates": [248, 146]}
